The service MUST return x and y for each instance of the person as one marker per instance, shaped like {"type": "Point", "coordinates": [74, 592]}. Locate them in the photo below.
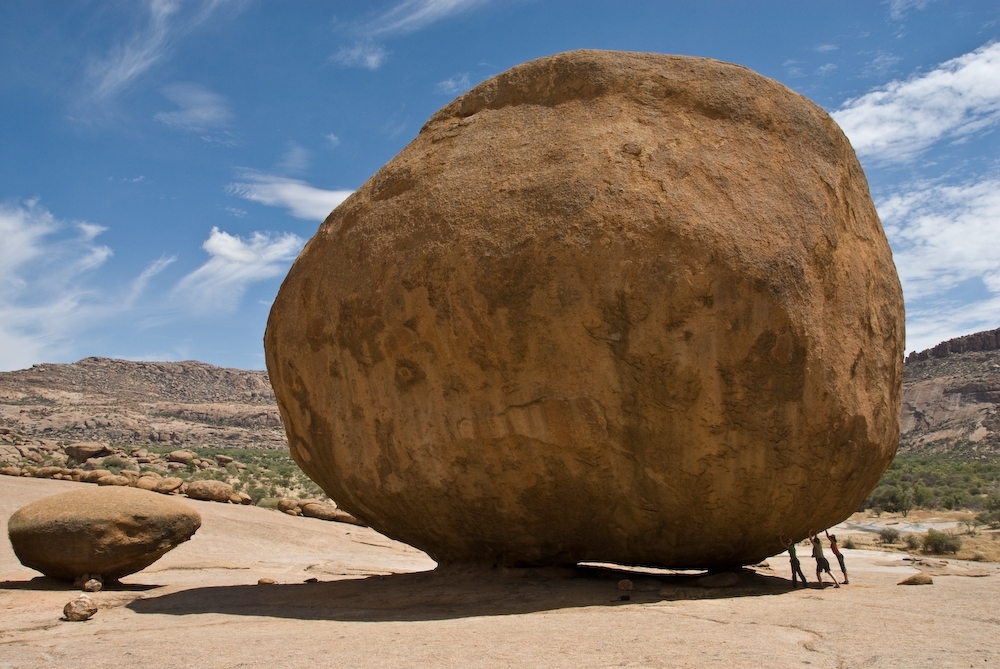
{"type": "Point", "coordinates": [836, 551]}
{"type": "Point", "coordinates": [822, 564]}
{"type": "Point", "coordinates": [796, 565]}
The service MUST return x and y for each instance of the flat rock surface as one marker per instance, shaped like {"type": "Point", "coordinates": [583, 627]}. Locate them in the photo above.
{"type": "Point", "coordinates": [200, 605]}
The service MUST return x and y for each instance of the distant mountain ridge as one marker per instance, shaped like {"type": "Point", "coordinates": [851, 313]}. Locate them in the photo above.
{"type": "Point", "coordinates": [101, 399]}
{"type": "Point", "coordinates": [951, 398]}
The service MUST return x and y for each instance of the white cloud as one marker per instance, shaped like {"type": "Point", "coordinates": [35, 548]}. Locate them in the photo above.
{"type": "Point", "coordinates": [127, 61]}
{"type": "Point", "coordinates": [412, 15]}
{"type": "Point", "coordinates": [301, 199]}
{"type": "Point", "coordinates": [362, 54]}
{"type": "Point", "coordinates": [167, 21]}
{"type": "Point", "coordinates": [296, 158]}
{"type": "Point", "coordinates": [945, 237]}
{"type": "Point", "coordinates": [219, 284]}
{"type": "Point", "coordinates": [454, 85]}
{"type": "Point", "coordinates": [826, 69]}
{"type": "Point", "coordinates": [898, 9]}
{"type": "Point", "coordinates": [903, 118]}
{"type": "Point", "coordinates": [43, 299]}
{"type": "Point", "coordinates": [199, 108]}
{"type": "Point", "coordinates": [823, 48]}
{"type": "Point", "coordinates": [333, 139]}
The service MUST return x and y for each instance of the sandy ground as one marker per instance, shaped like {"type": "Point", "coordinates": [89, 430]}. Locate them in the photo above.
{"type": "Point", "coordinates": [375, 604]}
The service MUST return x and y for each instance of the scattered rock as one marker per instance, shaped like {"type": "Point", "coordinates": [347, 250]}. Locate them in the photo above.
{"type": "Point", "coordinates": [85, 450]}
{"type": "Point", "coordinates": [678, 270]}
{"type": "Point", "coordinates": [266, 581]}
{"type": "Point", "coordinates": [288, 504]}
{"type": "Point", "coordinates": [223, 459]}
{"type": "Point", "coordinates": [112, 531]}
{"type": "Point", "coordinates": [245, 498]}
{"type": "Point", "coordinates": [79, 609]}
{"type": "Point", "coordinates": [213, 491]}
{"type": "Point", "coordinates": [168, 484]}
{"type": "Point", "coordinates": [11, 471]}
{"type": "Point", "coordinates": [726, 579]}
{"type": "Point", "coordinates": [94, 474]}
{"type": "Point", "coordinates": [111, 479]}
{"type": "Point", "coordinates": [93, 585]}
{"type": "Point", "coordinates": [917, 579]}
{"type": "Point", "coordinates": [625, 584]}
{"type": "Point", "coordinates": [147, 483]}
{"type": "Point", "coordinates": [183, 456]}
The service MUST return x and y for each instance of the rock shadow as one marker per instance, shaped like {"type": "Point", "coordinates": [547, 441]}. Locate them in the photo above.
{"type": "Point", "coordinates": [54, 584]}
{"type": "Point", "coordinates": [451, 592]}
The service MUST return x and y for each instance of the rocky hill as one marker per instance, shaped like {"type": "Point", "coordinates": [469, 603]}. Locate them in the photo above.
{"type": "Point", "coordinates": [951, 397]}
{"type": "Point", "coordinates": [142, 403]}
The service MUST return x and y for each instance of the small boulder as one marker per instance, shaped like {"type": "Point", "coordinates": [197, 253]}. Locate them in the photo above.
{"type": "Point", "coordinates": [726, 579]}
{"type": "Point", "coordinates": [626, 584]}
{"type": "Point", "coordinates": [85, 450]}
{"type": "Point", "coordinates": [94, 474]}
{"type": "Point", "coordinates": [79, 609]}
{"type": "Point", "coordinates": [93, 585]}
{"type": "Point", "coordinates": [111, 479]}
{"type": "Point", "coordinates": [213, 491]}
{"type": "Point", "coordinates": [245, 498]}
{"type": "Point", "coordinates": [288, 504]}
{"type": "Point", "coordinates": [168, 484]}
{"type": "Point", "coordinates": [327, 512]}
{"type": "Point", "coordinates": [11, 471]}
{"type": "Point", "coordinates": [223, 459]}
{"type": "Point", "coordinates": [47, 472]}
{"type": "Point", "coordinates": [147, 483]}
{"type": "Point", "coordinates": [182, 456]}
{"type": "Point", "coordinates": [917, 579]}
{"type": "Point", "coordinates": [112, 531]}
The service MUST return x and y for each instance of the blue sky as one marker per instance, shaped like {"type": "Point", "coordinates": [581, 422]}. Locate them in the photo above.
{"type": "Point", "coordinates": [162, 162]}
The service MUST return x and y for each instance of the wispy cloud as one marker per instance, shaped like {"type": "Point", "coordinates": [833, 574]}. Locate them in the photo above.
{"type": "Point", "coordinates": [362, 54]}
{"type": "Point", "coordinates": [898, 9]}
{"type": "Point", "coordinates": [42, 294]}
{"type": "Point", "coordinates": [413, 15]}
{"type": "Point", "coordinates": [199, 109]}
{"type": "Point", "coordinates": [826, 69]}
{"type": "Point", "coordinates": [945, 238]}
{"type": "Point", "coordinates": [219, 284]}
{"type": "Point", "coordinates": [453, 85]}
{"type": "Point", "coordinates": [406, 17]}
{"type": "Point", "coordinates": [296, 158]}
{"type": "Point", "coordinates": [823, 48]}
{"type": "Point", "coordinates": [333, 139]}
{"type": "Point", "coordinates": [897, 122]}
{"type": "Point", "coordinates": [301, 199]}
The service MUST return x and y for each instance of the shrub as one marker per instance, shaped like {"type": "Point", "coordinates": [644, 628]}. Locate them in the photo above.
{"type": "Point", "coordinates": [113, 462]}
{"type": "Point", "coordinates": [938, 542]}
{"type": "Point", "coordinates": [912, 542]}
{"type": "Point", "coordinates": [849, 544]}
{"type": "Point", "coordinates": [888, 535]}
{"type": "Point", "coordinates": [269, 502]}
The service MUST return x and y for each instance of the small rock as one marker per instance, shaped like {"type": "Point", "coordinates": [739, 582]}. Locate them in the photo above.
{"type": "Point", "coordinates": [111, 479]}
{"type": "Point", "coordinates": [223, 459]}
{"type": "Point", "coordinates": [182, 456]}
{"type": "Point", "coordinates": [93, 585]}
{"type": "Point", "coordinates": [245, 498]}
{"type": "Point", "coordinates": [81, 608]}
{"type": "Point", "coordinates": [11, 471]}
{"type": "Point", "coordinates": [94, 474]}
{"type": "Point", "coordinates": [293, 512]}
{"type": "Point", "coordinates": [288, 504]}
{"type": "Point", "coordinates": [917, 579]}
{"type": "Point", "coordinates": [625, 584]}
{"type": "Point", "coordinates": [312, 579]}
{"type": "Point", "coordinates": [168, 484]}
{"type": "Point", "coordinates": [266, 581]}
{"type": "Point", "coordinates": [726, 579]}
{"type": "Point", "coordinates": [213, 491]}
{"type": "Point", "coordinates": [84, 451]}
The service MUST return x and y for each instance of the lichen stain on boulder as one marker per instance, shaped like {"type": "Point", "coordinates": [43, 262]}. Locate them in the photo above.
{"type": "Point", "coordinates": [605, 306]}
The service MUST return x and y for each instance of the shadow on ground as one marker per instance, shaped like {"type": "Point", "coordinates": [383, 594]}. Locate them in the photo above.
{"type": "Point", "coordinates": [448, 593]}
{"type": "Point", "coordinates": [46, 583]}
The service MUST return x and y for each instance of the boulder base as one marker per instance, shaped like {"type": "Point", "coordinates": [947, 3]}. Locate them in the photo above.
{"type": "Point", "coordinates": [111, 531]}
{"type": "Point", "coordinates": [605, 306]}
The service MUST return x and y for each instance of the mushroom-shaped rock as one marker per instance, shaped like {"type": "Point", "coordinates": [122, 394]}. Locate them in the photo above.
{"type": "Point", "coordinates": [605, 306]}
{"type": "Point", "coordinates": [112, 531]}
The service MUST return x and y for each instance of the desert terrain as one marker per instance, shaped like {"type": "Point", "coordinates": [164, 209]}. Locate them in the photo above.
{"type": "Point", "coordinates": [377, 603]}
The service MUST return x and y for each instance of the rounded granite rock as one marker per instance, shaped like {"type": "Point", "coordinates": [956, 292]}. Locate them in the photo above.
{"type": "Point", "coordinates": [605, 306]}
{"type": "Point", "coordinates": [111, 531]}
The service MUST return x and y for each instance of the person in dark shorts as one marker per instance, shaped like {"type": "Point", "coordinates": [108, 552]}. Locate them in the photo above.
{"type": "Point", "coordinates": [796, 565]}
{"type": "Point", "coordinates": [836, 551]}
{"type": "Point", "coordinates": [822, 564]}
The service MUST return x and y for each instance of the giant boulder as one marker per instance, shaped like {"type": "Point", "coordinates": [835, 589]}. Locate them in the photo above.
{"type": "Point", "coordinates": [110, 531]}
{"type": "Point", "coordinates": [605, 306]}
